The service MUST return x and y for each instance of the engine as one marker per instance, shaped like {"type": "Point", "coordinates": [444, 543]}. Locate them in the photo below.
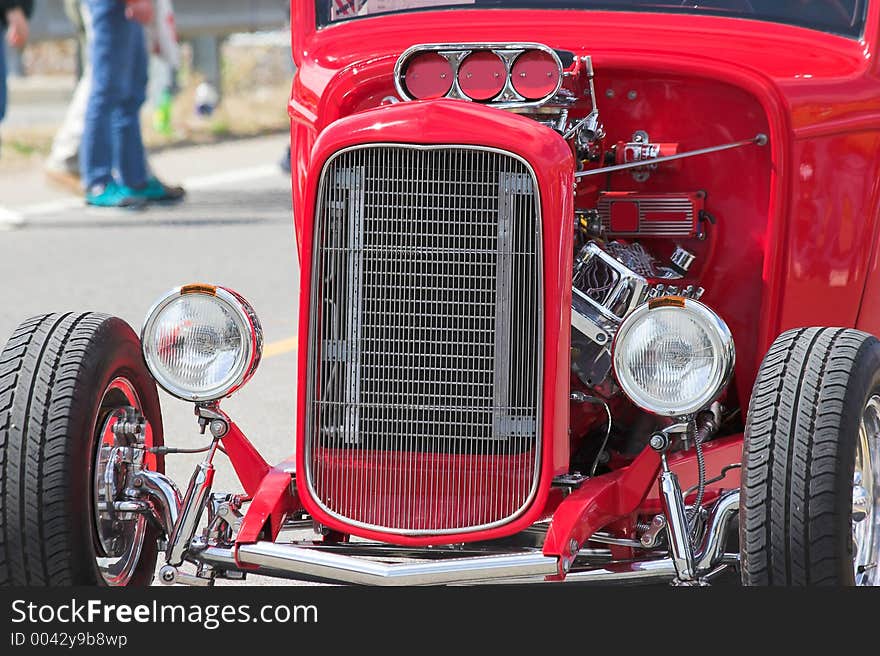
{"type": "Point", "coordinates": [611, 279]}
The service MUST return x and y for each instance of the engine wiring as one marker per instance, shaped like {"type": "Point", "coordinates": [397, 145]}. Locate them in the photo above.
{"type": "Point", "coordinates": [717, 479]}
{"type": "Point", "coordinates": [580, 397]}
{"type": "Point", "coordinates": [697, 508]}
{"type": "Point", "coordinates": [604, 441]}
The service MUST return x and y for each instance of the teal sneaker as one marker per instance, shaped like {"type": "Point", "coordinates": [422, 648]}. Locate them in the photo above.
{"type": "Point", "coordinates": [112, 195]}
{"type": "Point", "coordinates": [157, 192]}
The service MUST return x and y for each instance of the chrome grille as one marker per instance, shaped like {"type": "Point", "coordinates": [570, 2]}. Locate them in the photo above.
{"type": "Point", "coordinates": [424, 392]}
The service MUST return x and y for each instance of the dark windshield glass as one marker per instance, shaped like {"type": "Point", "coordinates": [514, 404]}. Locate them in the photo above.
{"type": "Point", "coordinates": [838, 16]}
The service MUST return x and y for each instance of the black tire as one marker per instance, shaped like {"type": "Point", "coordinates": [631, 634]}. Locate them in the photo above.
{"type": "Point", "coordinates": [53, 374]}
{"type": "Point", "coordinates": [800, 446]}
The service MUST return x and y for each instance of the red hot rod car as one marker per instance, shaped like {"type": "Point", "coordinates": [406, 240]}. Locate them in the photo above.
{"type": "Point", "coordinates": [588, 292]}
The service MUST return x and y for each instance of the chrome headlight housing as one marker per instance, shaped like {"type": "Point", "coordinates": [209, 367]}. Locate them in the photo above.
{"type": "Point", "coordinates": [201, 342]}
{"type": "Point", "coordinates": [673, 356]}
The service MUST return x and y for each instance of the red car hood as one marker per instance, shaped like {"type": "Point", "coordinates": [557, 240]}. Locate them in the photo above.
{"type": "Point", "coordinates": [821, 78]}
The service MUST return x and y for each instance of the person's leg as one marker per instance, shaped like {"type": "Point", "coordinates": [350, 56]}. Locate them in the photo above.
{"type": "Point", "coordinates": [66, 145]}
{"type": "Point", "coordinates": [2, 74]}
{"type": "Point", "coordinates": [131, 165]}
{"type": "Point", "coordinates": [128, 146]}
{"type": "Point", "coordinates": [64, 157]}
{"type": "Point", "coordinates": [111, 68]}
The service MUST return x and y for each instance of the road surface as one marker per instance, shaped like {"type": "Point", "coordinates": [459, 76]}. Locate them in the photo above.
{"type": "Point", "coordinates": [235, 229]}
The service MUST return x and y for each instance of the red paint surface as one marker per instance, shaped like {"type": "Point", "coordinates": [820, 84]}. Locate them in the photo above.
{"type": "Point", "coordinates": [796, 240]}
{"type": "Point", "coordinates": [598, 502]}
{"type": "Point", "coordinates": [624, 216]}
{"type": "Point", "coordinates": [273, 501]}
{"type": "Point", "coordinates": [246, 460]}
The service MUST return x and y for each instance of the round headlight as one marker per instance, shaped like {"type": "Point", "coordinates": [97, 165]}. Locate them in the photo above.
{"type": "Point", "coordinates": [201, 343]}
{"type": "Point", "coordinates": [673, 356]}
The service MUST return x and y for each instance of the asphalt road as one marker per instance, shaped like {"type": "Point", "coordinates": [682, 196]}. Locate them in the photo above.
{"type": "Point", "coordinates": [234, 229]}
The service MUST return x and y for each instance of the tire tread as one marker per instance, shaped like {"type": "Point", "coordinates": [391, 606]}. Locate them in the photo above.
{"type": "Point", "coordinates": [792, 510]}
{"type": "Point", "coordinates": [44, 384]}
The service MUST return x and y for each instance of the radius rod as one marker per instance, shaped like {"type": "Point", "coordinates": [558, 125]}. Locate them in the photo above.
{"type": "Point", "coordinates": [758, 140]}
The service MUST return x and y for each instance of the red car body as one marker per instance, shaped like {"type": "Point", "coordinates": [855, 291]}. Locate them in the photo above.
{"type": "Point", "coordinates": [798, 238]}
{"type": "Point", "coordinates": [568, 282]}
{"type": "Point", "coordinates": [795, 241]}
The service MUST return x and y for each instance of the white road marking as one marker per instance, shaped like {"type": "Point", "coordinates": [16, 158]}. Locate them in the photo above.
{"type": "Point", "coordinates": [17, 217]}
{"type": "Point", "coordinates": [52, 207]}
{"type": "Point", "coordinates": [225, 178]}
{"type": "Point", "coordinates": [9, 218]}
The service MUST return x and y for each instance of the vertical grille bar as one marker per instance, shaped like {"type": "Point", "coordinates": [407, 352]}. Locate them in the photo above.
{"type": "Point", "coordinates": [424, 392]}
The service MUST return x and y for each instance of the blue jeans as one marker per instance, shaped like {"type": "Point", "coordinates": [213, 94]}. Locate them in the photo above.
{"type": "Point", "coordinates": [2, 73]}
{"type": "Point", "coordinates": [112, 145]}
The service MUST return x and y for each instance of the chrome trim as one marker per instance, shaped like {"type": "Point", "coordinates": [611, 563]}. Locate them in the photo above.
{"type": "Point", "coordinates": [299, 561]}
{"type": "Point", "coordinates": [677, 529]}
{"type": "Point", "coordinates": [705, 562]}
{"type": "Point", "coordinates": [193, 507]}
{"type": "Point", "coordinates": [308, 560]}
{"type": "Point", "coordinates": [724, 510]}
{"type": "Point", "coordinates": [165, 496]}
{"type": "Point", "coordinates": [595, 321]}
{"type": "Point", "coordinates": [119, 535]}
{"type": "Point", "coordinates": [642, 571]}
{"type": "Point", "coordinates": [252, 341]}
{"type": "Point", "coordinates": [726, 357]}
{"type": "Point", "coordinates": [519, 569]}
{"type": "Point", "coordinates": [682, 259]}
{"type": "Point", "coordinates": [604, 538]}
{"type": "Point", "coordinates": [455, 53]}
{"type": "Point", "coordinates": [384, 551]}
{"type": "Point", "coordinates": [759, 140]}
{"type": "Point", "coordinates": [628, 288]}
{"type": "Point", "coordinates": [314, 303]}
{"type": "Point", "coordinates": [866, 497]}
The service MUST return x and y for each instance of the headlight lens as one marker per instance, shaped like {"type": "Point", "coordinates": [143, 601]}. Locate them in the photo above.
{"type": "Point", "coordinates": [673, 356]}
{"type": "Point", "coordinates": [201, 343]}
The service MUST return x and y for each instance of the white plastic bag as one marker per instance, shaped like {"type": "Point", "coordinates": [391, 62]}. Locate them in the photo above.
{"type": "Point", "coordinates": [163, 33]}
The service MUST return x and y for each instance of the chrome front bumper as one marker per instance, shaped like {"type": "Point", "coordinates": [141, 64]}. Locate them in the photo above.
{"type": "Point", "coordinates": [313, 563]}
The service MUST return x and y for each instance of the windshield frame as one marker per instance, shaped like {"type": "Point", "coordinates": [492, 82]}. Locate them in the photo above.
{"type": "Point", "coordinates": [323, 20]}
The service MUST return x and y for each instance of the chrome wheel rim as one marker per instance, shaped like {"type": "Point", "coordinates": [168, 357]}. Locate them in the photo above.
{"type": "Point", "coordinates": [866, 497]}
{"type": "Point", "coordinates": [118, 537]}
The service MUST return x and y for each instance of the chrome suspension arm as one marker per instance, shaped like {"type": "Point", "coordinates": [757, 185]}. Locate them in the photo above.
{"type": "Point", "coordinates": [164, 498]}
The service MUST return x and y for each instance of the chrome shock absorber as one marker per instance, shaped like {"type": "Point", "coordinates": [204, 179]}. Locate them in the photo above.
{"type": "Point", "coordinates": [198, 491]}
{"type": "Point", "coordinates": [680, 544]}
